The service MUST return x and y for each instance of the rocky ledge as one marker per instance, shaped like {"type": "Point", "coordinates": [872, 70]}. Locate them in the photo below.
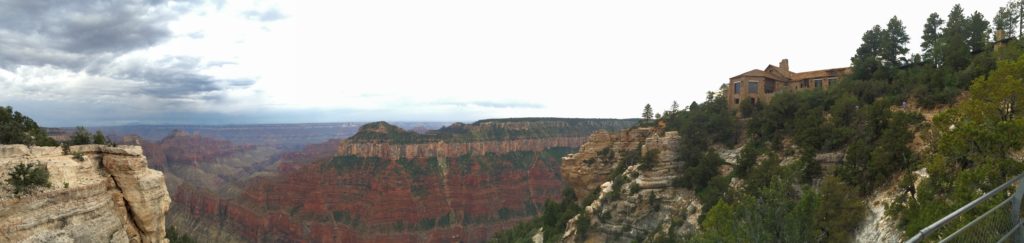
{"type": "Point", "coordinates": [107, 195]}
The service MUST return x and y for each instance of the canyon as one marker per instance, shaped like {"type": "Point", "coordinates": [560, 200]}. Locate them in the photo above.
{"type": "Point", "coordinates": [461, 182]}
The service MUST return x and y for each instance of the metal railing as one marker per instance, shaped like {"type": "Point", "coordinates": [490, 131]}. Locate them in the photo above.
{"type": "Point", "coordinates": [1001, 223]}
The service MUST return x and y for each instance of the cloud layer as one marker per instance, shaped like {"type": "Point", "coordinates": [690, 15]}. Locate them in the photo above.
{"type": "Point", "coordinates": [105, 53]}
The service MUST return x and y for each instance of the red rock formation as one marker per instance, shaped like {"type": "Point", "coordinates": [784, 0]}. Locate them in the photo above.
{"type": "Point", "coordinates": [183, 147]}
{"type": "Point", "coordinates": [378, 191]}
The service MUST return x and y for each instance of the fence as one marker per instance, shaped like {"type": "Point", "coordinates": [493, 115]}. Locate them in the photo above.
{"type": "Point", "coordinates": [1001, 223]}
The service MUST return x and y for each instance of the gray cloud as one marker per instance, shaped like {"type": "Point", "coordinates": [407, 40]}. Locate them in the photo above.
{"type": "Point", "coordinates": [76, 34]}
{"type": "Point", "coordinates": [94, 36]}
{"type": "Point", "coordinates": [175, 78]}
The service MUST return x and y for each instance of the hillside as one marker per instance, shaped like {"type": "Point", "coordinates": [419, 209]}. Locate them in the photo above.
{"type": "Point", "coordinates": [385, 184]}
{"type": "Point", "coordinates": [900, 142]}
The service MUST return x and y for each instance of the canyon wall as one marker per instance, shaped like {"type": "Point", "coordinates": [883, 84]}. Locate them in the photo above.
{"type": "Point", "coordinates": [108, 195]}
{"type": "Point", "coordinates": [460, 183]}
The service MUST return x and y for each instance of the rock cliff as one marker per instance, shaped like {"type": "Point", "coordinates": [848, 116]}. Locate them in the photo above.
{"type": "Point", "coordinates": [631, 203]}
{"type": "Point", "coordinates": [107, 196]}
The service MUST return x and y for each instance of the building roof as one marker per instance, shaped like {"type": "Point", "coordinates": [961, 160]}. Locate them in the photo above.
{"type": "Point", "coordinates": [783, 74]}
{"type": "Point", "coordinates": [759, 73]}
{"type": "Point", "coordinates": [832, 72]}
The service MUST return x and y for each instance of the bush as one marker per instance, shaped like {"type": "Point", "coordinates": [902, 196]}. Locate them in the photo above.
{"type": "Point", "coordinates": [26, 177]}
{"type": "Point", "coordinates": [178, 237]}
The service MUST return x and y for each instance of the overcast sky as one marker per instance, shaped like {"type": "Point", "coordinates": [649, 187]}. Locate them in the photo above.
{"type": "Point", "coordinates": [93, 63]}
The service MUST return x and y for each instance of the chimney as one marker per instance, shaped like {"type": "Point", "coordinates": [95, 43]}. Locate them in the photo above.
{"type": "Point", "coordinates": [784, 64]}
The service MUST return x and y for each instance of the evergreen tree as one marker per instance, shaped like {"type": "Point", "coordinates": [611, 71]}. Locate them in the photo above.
{"type": "Point", "coordinates": [81, 136]}
{"type": "Point", "coordinates": [1005, 22]}
{"type": "Point", "coordinates": [894, 43]}
{"type": "Point", "coordinates": [930, 38]}
{"type": "Point", "coordinates": [675, 107]}
{"type": "Point", "coordinates": [866, 61]}
{"type": "Point", "coordinates": [648, 113]}
{"type": "Point", "coordinates": [977, 32]}
{"type": "Point", "coordinates": [99, 138]}
{"type": "Point", "coordinates": [953, 43]}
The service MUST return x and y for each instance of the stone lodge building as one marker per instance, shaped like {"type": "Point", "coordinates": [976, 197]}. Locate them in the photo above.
{"type": "Point", "coordinates": [759, 85]}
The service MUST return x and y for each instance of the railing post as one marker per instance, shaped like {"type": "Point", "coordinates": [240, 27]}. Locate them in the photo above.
{"type": "Point", "coordinates": [1015, 211]}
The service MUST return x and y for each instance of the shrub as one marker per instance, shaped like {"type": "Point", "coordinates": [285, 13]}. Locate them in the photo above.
{"type": "Point", "coordinates": [26, 177]}
{"type": "Point", "coordinates": [65, 148]}
{"type": "Point", "coordinates": [178, 237]}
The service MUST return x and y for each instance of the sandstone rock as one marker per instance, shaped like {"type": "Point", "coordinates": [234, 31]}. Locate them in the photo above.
{"type": "Point", "coordinates": [596, 159]}
{"type": "Point", "coordinates": [651, 208]}
{"type": "Point", "coordinates": [539, 236]}
{"type": "Point", "coordinates": [877, 226]}
{"type": "Point", "coordinates": [110, 196]}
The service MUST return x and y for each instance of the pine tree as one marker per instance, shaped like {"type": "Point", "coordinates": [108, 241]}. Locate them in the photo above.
{"type": "Point", "coordinates": [99, 138]}
{"type": "Point", "coordinates": [866, 61]}
{"type": "Point", "coordinates": [930, 38]}
{"type": "Point", "coordinates": [954, 48]}
{"type": "Point", "coordinates": [1004, 21]}
{"type": "Point", "coordinates": [648, 113]}
{"type": "Point", "coordinates": [81, 136]}
{"type": "Point", "coordinates": [977, 32]}
{"type": "Point", "coordinates": [894, 43]}
{"type": "Point", "coordinates": [675, 107]}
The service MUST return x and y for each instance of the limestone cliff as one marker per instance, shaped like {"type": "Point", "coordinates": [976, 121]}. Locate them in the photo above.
{"type": "Point", "coordinates": [110, 195]}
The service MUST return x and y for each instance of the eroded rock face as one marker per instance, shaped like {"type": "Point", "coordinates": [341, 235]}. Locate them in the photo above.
{"type": "Point", "coordinates": [645, 202]}
{"type": "Point", "coordinates": [108, 196]}
{"type": "Point", "coordinates": [585, 170]}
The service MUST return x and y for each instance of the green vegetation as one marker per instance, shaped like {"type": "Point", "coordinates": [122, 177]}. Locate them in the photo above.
{"type": "Point", "coordinates": [866, 117]}
{"type": "Point", "coordinates": [26, 177]}
{"type": "Point", "coordinates": [700, 126]}
{"type": "Point", "coordinates": [83, 136]}
{"type": "Point", "coordinates": [872, 117]}
{"type": "Point", "coordinates": [16, 128]}
{"type": "Point", "coordinates": [971, 156]}
{"type": "Point", "coordinates": [178, 237]}
{"type": "Point", "coordinates": [552, 220]}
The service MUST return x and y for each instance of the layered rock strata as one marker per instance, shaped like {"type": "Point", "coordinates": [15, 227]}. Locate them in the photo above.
{"type": "Point", "coordinates": [462, 183]}
{"type": "Point", "coordinates": [109, 195]}
{"type": "Point", "coordinates": [645, 202]}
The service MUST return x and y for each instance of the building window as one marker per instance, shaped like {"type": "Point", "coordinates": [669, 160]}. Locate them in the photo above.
{"type": "Point", "coordinates": [751, 87]}
{"type": "Point", "coordinates": [736, 88]}
{"type": "Point", "coordinates": [817, 83]}
{"type": "Point", "coordinates": [737, 101]}
{"type": "Point", "coordinates": [769, 86]}
{"type": "Point", "coordinates": [832, 81]}
{"type": "Point", "coordinates": [803, 84]}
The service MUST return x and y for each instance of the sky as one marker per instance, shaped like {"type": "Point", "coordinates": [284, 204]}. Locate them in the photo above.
{"type": "Point", "coordinates": [103, 62]}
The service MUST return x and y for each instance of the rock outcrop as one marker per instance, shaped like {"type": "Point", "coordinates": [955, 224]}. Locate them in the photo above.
{"type": "Point", "coordinates": [632, 203]}
{"type": "Point", "coordinates": [109, 195]}
{"type": "Point", "coordinates": [587, 169]}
